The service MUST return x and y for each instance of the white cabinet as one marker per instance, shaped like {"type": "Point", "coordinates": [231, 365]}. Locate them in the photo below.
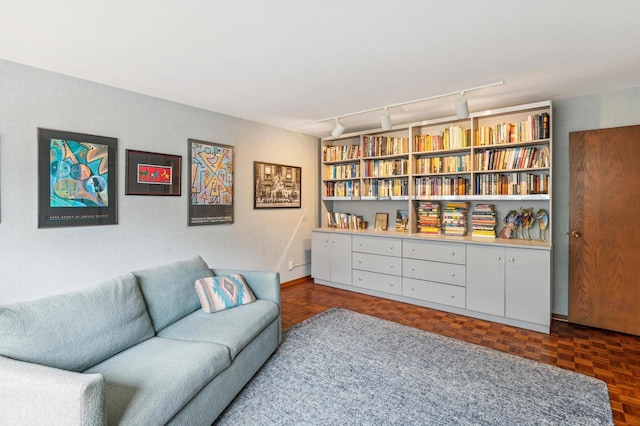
{"type": "Point", "coordinates": [377, 264]}
{"type": "Point", "coordinates": [331, 257]}
{"type": "Point", "coordinates": [434, 271]}
{"type": "Point", "coordinates": [510, 282]}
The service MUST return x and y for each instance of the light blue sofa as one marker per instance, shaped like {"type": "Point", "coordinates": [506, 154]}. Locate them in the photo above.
{"type": "Point", "coordinates": [135, 350]}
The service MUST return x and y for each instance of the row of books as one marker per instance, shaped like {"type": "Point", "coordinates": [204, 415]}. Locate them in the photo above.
{"type": "Point", "coordinates": [343, 220]}
{"type": "Point", "coordinates": [385, 168]}
{"type": "Point", "coordinates": [535, 127]}
{"type": "Point", "coordinates": [452, 164]}
{"type": "Point", "coordinates": [385, 187]}
{"type": "Point", "coordinates": [343, 171]}
{"type": "Point", "coordinates": [483, 221]}
{"type": "Point", "coordinates": [429, 219]}
{"type": "Point", "coordinates": [341, 152]}
{"type": "Point", "coordinates": [348, 188]}
{"type": "Point", "coordinates": [377, 146]}
{"type": "Point", "coordinates": [511, 184]}
{"type": "Point", "coordinates": [441, 185]}
{"type": "Point", "coordinates": [454, 219]}
{"type": "Point", "coordinates": [453, 137]}
{"type": "Point", "coordinates": [512, 158]}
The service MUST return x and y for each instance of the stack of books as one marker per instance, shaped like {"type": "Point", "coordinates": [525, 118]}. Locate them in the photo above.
{"type": "Point", "coordinates": [483, 221]}
{"type": "Point", "coordinates": [429, 221]}
{"type": "Point", "coordinates": [454, 219]}
{"type": "Point", "coordinates": [343, 220]}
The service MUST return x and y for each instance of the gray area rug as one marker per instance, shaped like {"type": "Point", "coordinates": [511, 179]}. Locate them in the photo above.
{"type": "Point", "coordinates": [342, 367]}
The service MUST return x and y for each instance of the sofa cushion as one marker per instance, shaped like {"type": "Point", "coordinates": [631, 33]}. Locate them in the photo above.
{"type": "Point", "coordinates": [150, 382]}
{"type": "Point", "coordinates": [234, 328]}
{"type": "Point", "coordinates": [223, 292]}
{"type": "Point", "coordinates": [75, 331]}
{"type": "Point", "coordinates": [168, 289]}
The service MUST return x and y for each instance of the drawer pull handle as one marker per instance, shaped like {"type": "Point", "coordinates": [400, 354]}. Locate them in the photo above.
{"type": "Point", "coordinates": [511, 259]}
{"type": "Point", "coordinates": [391, 248]}
{"type": "Point", "coordinates": [413, 269]}
{"type": "Point", "coordinates": [390, 285]}
{"type": "Point", "coordinates": [360, 244]}
{"type": "Point", "coordinates": [391, 266]}
{"type": "Point", "coordinates": [359, 278]}
{"type": "Point", "coordinates": [413, 289]}
{"type": "Point", "coordinates": [453, 296]}
{"type": "Point", "coordinates": [453, 253]}
{"type": "Point", "coordinates": [453, 274]}
{"type": "Point", "coordinates": [359, 261]}
{"type": "Point", "coordinates": [498, 258]}
{"type": "Point", "coordinates": [413, 249]}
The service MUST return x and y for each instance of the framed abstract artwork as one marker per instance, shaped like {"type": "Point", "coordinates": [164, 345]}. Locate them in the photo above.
{"type": "Point", "coordinates": [77, 183]}
{"type": "Point", "coordinates": [151, 173]}
{"type": "Point", "coordinates": [210, 183]}
{"type": "Point", "coordinates": [276, 186]}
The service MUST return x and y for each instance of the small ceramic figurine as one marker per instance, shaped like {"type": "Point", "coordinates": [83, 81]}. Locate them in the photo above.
{"type": "Point", "coordinates": [528, 219]}
{"type": "Point", "coordinates": [543, 223]}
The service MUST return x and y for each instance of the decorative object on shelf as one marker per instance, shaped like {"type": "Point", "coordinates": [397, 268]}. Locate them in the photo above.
{"type": "Point", "coordinates": [76, 179]}
{"type": "Point", "coordinates": [382, 220]}
{"type": "Point", "coordinates": [402, 220]}
{"type": "Point", "coordinates": [511, 224]}
{"type": "Point", "coordinates": [151, 173]}
{"type": "Point", "coordinates": [276, 186]}
{"type": "Point", "coordinates": [527, 218]}
{"type": "Point", "coordinates": [210, 183]}
{"type": "Point", "coordinates": [543, 223]}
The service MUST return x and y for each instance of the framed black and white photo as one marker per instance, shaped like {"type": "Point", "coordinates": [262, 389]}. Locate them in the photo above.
{"type": "Point", "coordinates": [276, 186]}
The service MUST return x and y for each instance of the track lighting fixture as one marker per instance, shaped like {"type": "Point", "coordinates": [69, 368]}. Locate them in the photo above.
{"type": "Point", "coordinates": [462, 107]}
{"type": "Point", "coordinates": [385, 120]}
{"type": "Point", "coordinates": [337, 131]}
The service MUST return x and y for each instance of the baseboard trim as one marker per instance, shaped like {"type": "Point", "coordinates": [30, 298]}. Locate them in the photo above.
{"type": "Point", "coordinates": [295, 282]}
{"type": "Point", "coordinates": [560, 317]}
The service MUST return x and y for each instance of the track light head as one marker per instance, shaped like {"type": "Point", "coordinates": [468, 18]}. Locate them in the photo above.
{"type": "Point", "coordinates": [337, 131]}
{"type": "Point", "coordinates": [462, 108]}
{"type": "Point", "coordinates": [385, 120]}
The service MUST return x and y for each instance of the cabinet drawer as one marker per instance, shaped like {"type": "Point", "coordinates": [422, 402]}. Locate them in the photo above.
{"type": "Point", "coordinates": [433, 292]}
{"type": "Point", "coordinates": [377, 245]}
{"type": "Point", "coordinates": [381, 282]}
{"type": "Point", "coordinates": [377, 263]}
{"type": "Point", "coordinates": [434, 251]}
{"type": "Point", "coordinates": [447, 273]}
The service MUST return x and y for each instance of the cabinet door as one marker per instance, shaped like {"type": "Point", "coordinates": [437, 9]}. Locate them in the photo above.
{"type": "Point", "coordinates": [528, 285]}
{"type": "Point", "coordinates": [321, 255]}
{"type": "Point", "coordinates": [340, 258]}
{"type": "Point", "coordinates": [485, 279]}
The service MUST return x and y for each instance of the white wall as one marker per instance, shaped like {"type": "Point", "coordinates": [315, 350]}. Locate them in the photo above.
{"type": "Point", "coordinates": [151, 230]}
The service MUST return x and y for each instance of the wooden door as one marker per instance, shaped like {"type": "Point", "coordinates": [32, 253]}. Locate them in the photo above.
{"type": "Point", "coordinates": [604, 237]}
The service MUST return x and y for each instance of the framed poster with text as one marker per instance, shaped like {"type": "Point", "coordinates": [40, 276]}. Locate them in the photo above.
{"type": "Point", "coordinates": [76, 179]}
{"type": "Point", "coordinates": [210, 183]}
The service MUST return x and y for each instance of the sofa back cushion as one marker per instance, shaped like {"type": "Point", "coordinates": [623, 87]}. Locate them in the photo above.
{"type": "Point", "coordinates": [78, 330]}
{"type": "Point", "coordinates": [168, 290]}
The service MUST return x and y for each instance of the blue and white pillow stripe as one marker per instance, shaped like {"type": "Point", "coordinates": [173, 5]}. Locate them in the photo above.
{"type": "Point", "coordinates": [223, 292]}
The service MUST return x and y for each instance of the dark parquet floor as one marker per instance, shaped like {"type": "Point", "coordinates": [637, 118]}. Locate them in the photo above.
{"type": "Point", "coordinates": [609, 356]}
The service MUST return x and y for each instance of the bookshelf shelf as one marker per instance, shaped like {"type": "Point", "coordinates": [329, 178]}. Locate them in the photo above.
{"type": "Point", "coordinates": [499, 156]}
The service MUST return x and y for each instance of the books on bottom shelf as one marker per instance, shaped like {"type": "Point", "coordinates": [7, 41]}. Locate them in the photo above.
{"type": "Point", "coordinates": [429, 217]}
{"type": "Point", "coordinates": [454, 219]}
{"type": "Point", "coordinates": [343, 220]}
{"type": "Point", "coordinates": [483, 221]}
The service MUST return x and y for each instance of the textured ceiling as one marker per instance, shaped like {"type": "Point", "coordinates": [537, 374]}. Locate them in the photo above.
{"type": "Point", "coordinates": [288, 62]}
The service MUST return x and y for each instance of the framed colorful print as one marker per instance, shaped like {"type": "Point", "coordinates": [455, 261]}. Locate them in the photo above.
{"type": "Point", "coordinates": [210, 183]}
{"type": "Point", "coordinates": [276, 186]}
{"type": "Point", "coordinates": [76, 179]}
{"type": "Point", "coordinates": [151, 173]}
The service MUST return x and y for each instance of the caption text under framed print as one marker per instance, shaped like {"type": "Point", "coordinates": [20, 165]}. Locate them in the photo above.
{"type": "Point", "coordinates": [76, 179]}
{"type": "Point", "coordinates": [276, 186]}
{"type": "Point", "coordinates": [210, 183]}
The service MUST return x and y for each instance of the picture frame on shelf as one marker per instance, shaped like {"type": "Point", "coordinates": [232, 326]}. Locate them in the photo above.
{"type": "Point", "coordinates": [152, 173]}
{"type": "Point", "coordinates": [382, 221]}
{"type": "Point", "coordinates": [402, 220]}
{"type": "Point", "coordinates": [276, 186]}
{"type": "Point", "coordinates": [77, 184]}
{"type": "Point", "coordinates": [210, 183]}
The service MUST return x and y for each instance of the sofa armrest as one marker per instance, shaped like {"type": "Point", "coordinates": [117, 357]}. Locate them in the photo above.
{"type": "Point", "coordinates": [265, 285]}
{"type": "Point", "coordinates": [36, 394]}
